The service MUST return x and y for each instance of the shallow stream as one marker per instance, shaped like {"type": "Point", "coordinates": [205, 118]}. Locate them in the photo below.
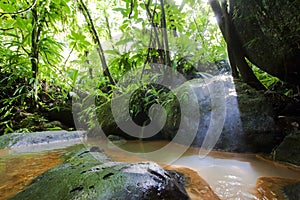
{"type": "Point", "coordinates": [231, 176]}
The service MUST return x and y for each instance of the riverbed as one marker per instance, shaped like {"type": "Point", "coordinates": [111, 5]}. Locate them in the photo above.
{"type": "Point", "coordinates": [230, 175]}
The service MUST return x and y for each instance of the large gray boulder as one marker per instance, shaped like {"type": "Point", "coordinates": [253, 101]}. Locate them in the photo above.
{"type": "Point", "coordinates": [35, 138]}
{"type": "Point", "coordinates": [233, 117]}
{"type": "Point", "coordinates": [211, 113]}
{"type": "Point", "coordinates": [269, 31]}
{"type": "Point", "coordinates": [89, 174]}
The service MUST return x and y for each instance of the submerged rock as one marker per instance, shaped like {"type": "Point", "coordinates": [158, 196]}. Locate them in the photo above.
{"type": "Point", "coordinates": [116, 139]}
{"type": "Point", "coordinates": [92, 175]}
{"type": "Point", "coordinates": [288, 150]}
{"type": "Point", "coordinates": [196, 186]}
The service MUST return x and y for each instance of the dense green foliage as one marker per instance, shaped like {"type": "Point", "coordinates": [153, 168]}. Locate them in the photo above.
{"type": "Point", "coordinates": [31, 61]}
{"type": "Point", "coordinates": [48, 48]}
{"type": "Point", "coordinates": [51, 51]}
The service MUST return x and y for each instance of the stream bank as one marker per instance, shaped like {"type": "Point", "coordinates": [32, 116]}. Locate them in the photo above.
{"type": "Point", "coordinates": [97, 175]}
{"type": "Point", "coordinates": [222, 173]}
{"type": "Point", "coordinates": [233, 117]}
{"type": "Point", "coordinates": [89, 174]}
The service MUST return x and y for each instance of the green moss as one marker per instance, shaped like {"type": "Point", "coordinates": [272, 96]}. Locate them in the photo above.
{"type": "Point", "coordinates": [91, 175]}
{"type": "Point", "coordinates": [8, 140]}
{"type": "Point", "coordinates": [83, 155]}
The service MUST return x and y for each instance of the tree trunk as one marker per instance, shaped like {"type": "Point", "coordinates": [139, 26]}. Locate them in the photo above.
{"type": "Point", "coordinates": [96, 39]}
{"type": "Point", "coordinates": [167, 60]}
{"type": "Point", "coordinates": [236, 52]}
{"type": "Point", "coordinates": [35, 34]}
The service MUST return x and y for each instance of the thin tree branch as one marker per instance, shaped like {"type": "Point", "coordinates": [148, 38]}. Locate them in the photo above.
{"type": "Point", "coordinates": [154, 26]}
{"type": "Point", "coordinates": [108, 29]}
{"type": "Point", "coordinates": [148, 55]}
{"type": "Point", "coordinates": [165, 34]}
{"type": "Point", "coordinates": [21, 11]}
{"type": "Point", "coordinates": [132, 2]}
{"type": "Point", "coordinates": [6, 29]}
{"type": "Point", "coordinates": [96, 38]}
{"type": "Point", "coordinates": [34, 44]}
{"type": "Point", "coordinates": [69, 55]}
{"type": "Point", "coordinates": [151, 19]}
{"type": "Point", "coordinates": [27, 52]}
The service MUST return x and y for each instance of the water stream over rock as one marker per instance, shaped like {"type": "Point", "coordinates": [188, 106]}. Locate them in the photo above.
{"type": "Point", "coordinates": [231, 176]}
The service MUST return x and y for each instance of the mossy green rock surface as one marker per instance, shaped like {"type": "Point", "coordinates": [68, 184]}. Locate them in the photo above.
{"type": "Point", "coordinates": [232, 116]}
{"type": "Point", "coordinates": [89, 174]}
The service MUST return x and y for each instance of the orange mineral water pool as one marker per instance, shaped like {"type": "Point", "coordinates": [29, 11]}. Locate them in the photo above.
{"type": "Point", "coordinates": [231, 176]}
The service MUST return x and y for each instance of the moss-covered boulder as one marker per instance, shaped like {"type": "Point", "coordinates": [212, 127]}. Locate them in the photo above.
{"type": "Point", "coordinates": [269, 31]}
{"type": "Point", "coordinates": [227, 115]}
{"type": "Point", "coordinates": [233, 117]}
{"type": "Point", "coordinates": [89, 174]}
{"type": "Point", "coordinates": [106, 120]}
{"type": "Point", "coordinates": [288, 150]}
{"type": "Point", "coordinates": [132, 108]}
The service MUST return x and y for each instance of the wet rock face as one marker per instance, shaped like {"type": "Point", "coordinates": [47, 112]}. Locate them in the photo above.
{"type": "Point", "coordinates": [277, 188]}
{"type": "Point", "coordinates": [292, 191]}
{"type": "Point", "coordinates": [288, 150]}
{"type": "Point", "coordinates": [242, 116]}
{"type": "Point", "coordinates": [45, 137]}
{"type": "Point", "coordinates": [84, 177]}
{"type": "Point", "coordinates": [270, 34]}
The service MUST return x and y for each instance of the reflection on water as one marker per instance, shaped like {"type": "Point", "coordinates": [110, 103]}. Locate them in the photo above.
{"type": "Point", "coordinates": [235, 179]}
{"type": "Point", "coordinates": [231, 176]}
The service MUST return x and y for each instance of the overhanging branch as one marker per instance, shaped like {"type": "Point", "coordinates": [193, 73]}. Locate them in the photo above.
{"type": "Point", "coordinates": [21, 11]}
